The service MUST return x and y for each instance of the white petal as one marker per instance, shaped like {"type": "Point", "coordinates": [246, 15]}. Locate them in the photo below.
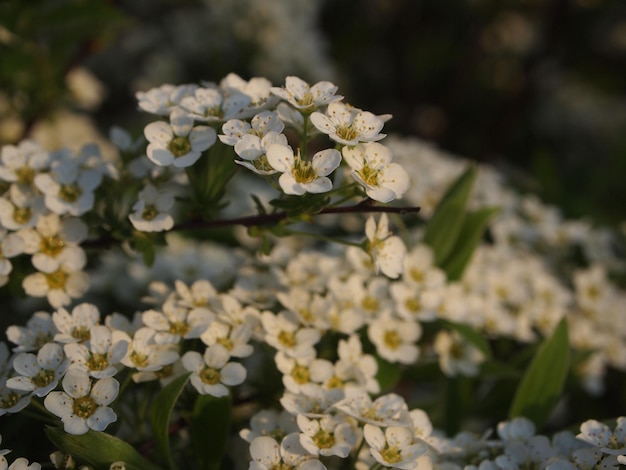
{"type": "Point", "coordinates": [233, 373]}
{"type": "Point", "coordinates": [280, 157]}
{"type": "Point", "coordinates": [326, 161]}
{"type": "Point", "coordinates": [105, 391]}
{"type": "Point", "coordinates": [289, 185]}
{"type": "Point", "coordinates": [102, 417]}
{"type": "Point", "coordinates": [159, 132]}
{"type": "Point", "coordinates": [202, 137]}
{"type": "Point", "coordinates": [181, 122]}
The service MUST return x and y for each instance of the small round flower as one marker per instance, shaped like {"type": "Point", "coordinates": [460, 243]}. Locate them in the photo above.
{"type": "Point", "coordinates": [39, 374]}
{"type": "Point", "coordinates": [253, 152]}
{"type": "Point", "coordinates": [163, 99]}
{"type": "Point", "coordinates": [151, 211]}
{"type": "Point", "coordinates": [260, 125]}
{"type": "Point", "coordinates": [178, 143]}
{"type": "Point", "coordinates": [212, 372]}
{"type": "Point", "coordinates": [302, 176]}
{"type": "Point", "coordinates": [347, 125]}
{"type": "Point", "coordinates": [267, 454]}
{"type": "Point", "coordinates": [83, 405]}
{"type": "Point", "coordinates": [457, 356]}
{"type": "Point", "coordinates": [212, 105]}
{"type": "Point", "coordinates": [100, 355]}
{"type": "Point", "coordinates": [372, 168]}
{"type": "Point", "coordinates": [305, 97]}
{"type": "Point", "coordinates": [387, 251]}
{"type": "Point", "coordinates": [395, 447]}
{"type": "Point", "coordinates": [395, 339]}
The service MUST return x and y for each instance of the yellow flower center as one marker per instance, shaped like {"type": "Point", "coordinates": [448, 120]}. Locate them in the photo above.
{"type": "Point", "coordinates": [97, 362]}
{"type": "Point", "coordinates": [81, 333]}
{"type": "Point", "coordinates": [70, 192]}
{"type": "Point", "coordinates": [369, 303]}
{"type": "Point", "coordinates": [300, 374]}
{"type": "Point", "coordinates": [21, 215]}
{"type": "Point", "coordinates": [226, 342]}
{"type": "Point", "coordinates": [149, 212]}
{"type": "Point", "coordinates": [302, 171]}
{"type": "Point", "coordinates": [179, 328]}
{"type": "Point", "coordinates": [368, 174]}
{"type": "Point", "coordinates": [51, 246]}
{"type": "Point", "coordinates": [391, 454]}
{"type": "Point", "coordinates": [9, 400]}
{"type": "Point", "coordinates": [139, 359]}
{"type": "Point", "coordinates": [413, 305]}
{"type": "Point", "coordinates": [25, 175]}
{"type": "Point", "coordinates": [262, 164]}
{"type": "Point", "coordinates": [324, 439]}
{"type": "Point", "coordinates": [392, 339]}
{"type": "Point", "coordinates": [57, 279]}
{"type": "Point", "coordinates": [347, 132]}
{"type": "Point", "coordinates": [210, 376]}
{"type": "Point", "coordinates": [287, 338]}
{"type": "Point", "coordinates": [179, 146]}
{"type": "Point", "coordinates": [84, 407]}
{"type": "Point", "coordinates": [43, 378]}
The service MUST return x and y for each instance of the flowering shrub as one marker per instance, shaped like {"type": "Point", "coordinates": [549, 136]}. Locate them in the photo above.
{"type": "Point", "coordinates": [381, 286]}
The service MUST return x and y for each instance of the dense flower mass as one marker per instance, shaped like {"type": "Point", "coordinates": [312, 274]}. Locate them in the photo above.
{"type": "Point", "coordinates": [312, 354]}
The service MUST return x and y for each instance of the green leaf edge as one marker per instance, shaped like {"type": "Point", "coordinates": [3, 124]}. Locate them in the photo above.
{"type": "Point", "coordinates": [544, 379]}
{"type": "Point", "coordinates": [161, 413]}
{"type": "Point", "coordinates": [98, 449]}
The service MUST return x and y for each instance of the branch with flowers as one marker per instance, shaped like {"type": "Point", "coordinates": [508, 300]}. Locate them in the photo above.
{"type": "Point", "coordinates": [311, 345]}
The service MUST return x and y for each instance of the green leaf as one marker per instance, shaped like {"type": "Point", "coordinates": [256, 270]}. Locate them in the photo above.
{"type": "Point", "coordinates": [445, 225]}
{"type": "Point", "coordinates": [161, 414]}
{"type": "Point", "coordinates": [98, 449]}
{"type": "Point", "coordinates": [544, 379]}
{"type": "Point", "coordinates": [210, 430]}
{"type": "Point", "coordinates": [472, 336]}
{"type": "Point", "coordinates": [469, 237]}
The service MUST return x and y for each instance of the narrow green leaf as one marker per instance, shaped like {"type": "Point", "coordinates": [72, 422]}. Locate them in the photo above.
{"type": "Point", "coordinates": [161, 413]}
{"type": "Point", "coordinates": [99, 449]}
{"type": "Point", "coordinates": [469, 237]}
{"type": "Point", "coordinates": [544, 379]}
{"type": "Point", "coordinates": [472, 336]}
{"type": "Point", "coordinates": [444, 226]}
{"type": "Point", "coordinates": [210, 430]}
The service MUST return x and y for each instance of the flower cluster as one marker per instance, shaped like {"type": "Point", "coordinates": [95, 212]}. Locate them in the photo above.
{"type": "Point", "coordinates": [307, 341]}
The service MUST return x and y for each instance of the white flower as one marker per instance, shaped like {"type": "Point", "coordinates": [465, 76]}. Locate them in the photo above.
{"type": "Point", "coordinates": [19, 464]}
{"type": "Point", "coordinates": [178, 143]}
{"type": "Point", "coordinates": [39, 374]}
{"type": "Point", "coordinates": [61, 286]}
{"type": "Point", "coordinates": [38, 331]}
{"type": "Point", "coordinates": [11, 245]}
{"type": "Point", "coordinates": [69, 186]}
{"type": "Point", "coordinates": [21, 208]}
{"type": "Point", "coordinates": [75, 327]}
{"type": "Point", "coordinates": [372, 168]}
{"type": "Point", "coordinates": [212, 372]}
{"type": "Point", "coordinates": [600, 435]}
{"type": "Point", "coordinates": [312, 401]}
{"type": "Point", "coordinates": [11, 400]}
{"type": "Point", "coordinates": [267, 454]}
{"type": "Point", "coordinates": [163, 99]}
{"type": "Point", "coordinates": [395, 339]}
{"type": "Point", "coordinates": [387, 251]}
{"type": "Point", "coordinates": [234, 338]}
{"type": "Point", "coordinates": [457, 356]}
{"type": "Point", "coordinates": [145, 354]}
{"type": "Point", "coordinates": [386, 410]}
{"type": "Point", "coordinates": [305, 97]}
{"type": "Point", "coordinates": [175, 322]}
{"type": "Point", "coordinates": [99, 355]}
{"type": "Point", "coordinates": [395, 447]}
{"type": "Point", "coordinates": [269, 423]}
{"type": "Point", "coordinates": [260, 125]}
{"type": "Point", "coordinates": [285, 335]}
{"type": "Point", "coordinates": [253, 150]}
{"type": "Point", "coordinates": [301, 371]}
{"type": "Point", "coordinates": [347, 125]}
{"type": "Point", "coordinates": [55, 241]}
{"type": "Point", "coordinates": [354, 369]}
{"type": "Point", "coordinates": [301, 176]}
{"type": "Point", "coordinates": [19, 164]}
{"type": "Point", "coordinates": [151, 211]}
{"type": "Point", "coordinates": [328, 435]}
{"type": "Point", "coordinates": [83, 405]}
{"type": "Point", "coordinates": [212, 105]}
{"type": "Point", "coordinates": [257, 89]}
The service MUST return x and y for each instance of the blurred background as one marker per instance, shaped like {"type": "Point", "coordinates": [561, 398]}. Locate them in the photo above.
{"type": "Point", "coordinates": [533, 87]}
